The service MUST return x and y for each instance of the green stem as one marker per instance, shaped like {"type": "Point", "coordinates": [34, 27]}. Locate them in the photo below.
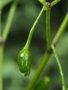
{"type": "Point", "coordinates": [61, 29]}
{"type": "Point", "coordinates": [9, 20]}
{"type": "Point", "coordinates": [48, 32]}
{"type": "Point", "coordinates": [1, 54]}
{"type": "Point", "coordinates": [46, 56]}
{"type": "Point", "coordinates": [0, 22]}
{"type": "Point", "coordinates": [60, 68]}
{"type": "Point", "coordinates": [38, 71]}
{"type": "Point", "coordinates": [4, 37]}
{"type": "Point", "coordinates": [33, 28]}
{"type": "Point", "coordinates": [1, 66]}
{"type": "Point", "coordinates": [54, 2]}
{"type": "Point", "coordinates": [45, 59]}
{"type": "Point", "coordinates": [42, 2]}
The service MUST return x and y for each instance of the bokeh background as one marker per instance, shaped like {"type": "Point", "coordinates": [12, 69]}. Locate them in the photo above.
{"type": "Point", "coordinates": [25, 15]}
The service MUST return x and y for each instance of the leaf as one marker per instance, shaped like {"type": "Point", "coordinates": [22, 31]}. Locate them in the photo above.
{"type": "Point", "coordinates": [4, 3]}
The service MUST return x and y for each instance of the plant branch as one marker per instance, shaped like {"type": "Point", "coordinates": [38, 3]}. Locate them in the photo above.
{"type": "Point", "coordinates": [1, 66]}
{"type": "Point", "coordinates": [47, 55]}
{"type": "Point", "coordinates": [38, 71]}
{"type": "Point", "coordinates": [60, 67]}
{"type": "Point", "coordinates": [61, 29]}
{"type": "Point", "coordinates": [33, 28]}
{"type": "Point", "coordinates": [45, 59]}
{"type": "Point", "coordinates": [9, 20]}
{"type": "Point", "coordinates": [42, 1]}
{"type": "Point", "coordinates": [48, 32]}
{"type": "Point", "coordinates": [54, 2]}
{"type": "Point", "coordinates": [0, 22]}
{"type": "Point", "coordinates": [1, 53]}
{"type": "Point", "coordinates": [4, 37]}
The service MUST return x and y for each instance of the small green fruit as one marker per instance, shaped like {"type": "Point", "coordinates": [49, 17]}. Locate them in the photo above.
{"type": "Point", "coordinates": [43, 84]}
{"type": "Point", "coordinates": [24, 61]}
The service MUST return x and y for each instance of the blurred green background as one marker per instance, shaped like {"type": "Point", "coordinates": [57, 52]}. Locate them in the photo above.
{"type": "Point", "coordinates": [25, 15]}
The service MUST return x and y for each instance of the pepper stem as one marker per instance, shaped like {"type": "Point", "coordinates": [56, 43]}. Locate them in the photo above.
{"type": "Point", "coordinates": [32, 29]}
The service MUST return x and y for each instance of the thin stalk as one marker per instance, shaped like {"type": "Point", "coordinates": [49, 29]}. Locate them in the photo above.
{"type": "Point", "coordinates": [46, 56]}
{"type": "Point", "coordinates": [0, 22]}
{"type": "Point", "coordinates": [48, 32]}
{"type": "Point", "coordinates": [1, 66]}
{"type": "Point", "coordinates": [1, 54]}
{"type": "Point", "coordinates": [38, 71]}
{"type": "Point", "coordinates": [60, 67]}
{"type": "Point", "coordinates": [9, 20]}
{"type": "Point", "coordinates": [33, 28]}
{"type": "Point", "coordinates": [4, 37]}
{"type": "Point", "coordinates": [61, 29]}
{"type": "Point", "coordinates": [44, 61]}
{"type": "Point", "coordinates": [42, 1]}
{"type": "Point", "coordinates": [54, 2]}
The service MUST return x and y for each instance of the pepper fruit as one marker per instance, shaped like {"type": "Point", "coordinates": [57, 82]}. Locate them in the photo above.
{"type": "Point", "coordinates": [24, 61]}
{"type": "Point", "coordinates": [24, 56]}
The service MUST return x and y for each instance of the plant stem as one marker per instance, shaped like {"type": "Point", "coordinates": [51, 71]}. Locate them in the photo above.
{"type": "Point", "coordinates": [45, 59]}
{"type": "Point", "coordinates": [47, 55]}
{"type": "Point", "coordinates": [38, 71]}
{"type": "Point", "coordinates": [61, 29]}
{"type": "Point", "coordinates": [60, 68]}
{"type": "Point", "coordinates": [1, 54]}
{"type": "Point", "coordinates": [0, 23]}
{"type": "Point", "coordinates": [9, 20]}
{"type": "Point", "coordinates": [33, 28]}
{"type": "Point", "coordinates": [48, 32]}
{"type": "Point", "coordinates": [42, 2]}
{"type": "Point", "coordinates": [4, 37]}
{"type": "Point", "coordinates": [1, 66]}
{"type": "Point", "coordinates": [54, 2]}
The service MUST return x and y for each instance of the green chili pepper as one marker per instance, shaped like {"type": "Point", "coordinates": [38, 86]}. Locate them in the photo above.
{"type": "Point", "coordinates": [24, 61]}
{"type": "Point", "coordinates": [24, 56]}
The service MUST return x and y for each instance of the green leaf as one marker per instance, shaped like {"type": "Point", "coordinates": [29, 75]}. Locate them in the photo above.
{"type": "Point", "coordinates": [4, 3]}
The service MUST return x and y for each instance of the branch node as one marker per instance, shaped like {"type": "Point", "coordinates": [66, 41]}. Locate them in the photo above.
{"type": "Point", "coordinates": [2, 41]}
{"type": "Point", "coordinates": [49, 51]}
{"type": "Point", "coordinates": [48, 5]}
